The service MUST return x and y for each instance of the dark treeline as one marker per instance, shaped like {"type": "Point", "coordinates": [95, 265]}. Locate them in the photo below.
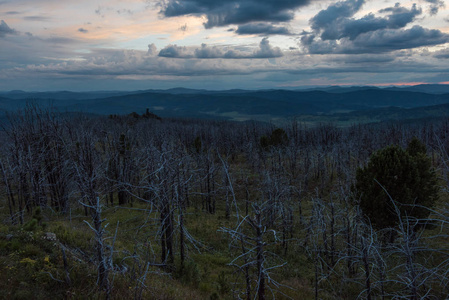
{"type": "Point", "coordinates": [284, 193]}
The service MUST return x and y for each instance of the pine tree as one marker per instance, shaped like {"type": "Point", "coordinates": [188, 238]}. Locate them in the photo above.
{"type": "Point", "coordinates": [404, 175]}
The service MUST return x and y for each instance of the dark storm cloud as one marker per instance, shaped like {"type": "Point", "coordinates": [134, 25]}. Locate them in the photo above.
{"type": "Point", "coordinates": [414, 37]}
{"type": "Point", "coordinates": [401, 16]}
{"type": "Point", "coordinates": [336, 31]}
{"type": "Point", "coordinates": [335, 23]}
{"type": "Point", "coordinates": [265, 50]}
{"type": "Point", "coordinates": [5, 29]}
{"type": "Point", "coordinates": [343, 9]}
{"type": "Point", "coordinates": [379, 41]}
{"type": "Point", "coordinates": [262, 28]}
{"type": "Point", "coordinates": [352, 28]}
{"type": "Point", "coordinates": [222, 13]}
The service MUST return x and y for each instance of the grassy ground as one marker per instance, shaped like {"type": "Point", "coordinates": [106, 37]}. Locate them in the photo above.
{"type": "Point", "coordinates": [32, 267]}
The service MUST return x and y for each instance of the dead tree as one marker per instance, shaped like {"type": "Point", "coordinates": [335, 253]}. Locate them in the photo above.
{"type": "Point", "coordinates": [103, 252]}
{"type": "Point", "coordinates": [88, 169]}
{"type": "Point", "coordinates": [7, 178]}
{"type": "Point", "coordinates": [252, 238]}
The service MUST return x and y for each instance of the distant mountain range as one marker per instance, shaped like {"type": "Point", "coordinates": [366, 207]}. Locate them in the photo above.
{"type": "Point", "coordinates": [339, 104]}
{"type": "Point", "coordinates": [423, 88]}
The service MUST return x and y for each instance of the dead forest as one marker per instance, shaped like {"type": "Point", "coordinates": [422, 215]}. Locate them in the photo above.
{"type": "Point", "coordinates": [139, 207]}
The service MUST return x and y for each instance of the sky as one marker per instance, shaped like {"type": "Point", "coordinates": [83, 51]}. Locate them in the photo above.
{"type": "Point", "coordinates": [88, 45]}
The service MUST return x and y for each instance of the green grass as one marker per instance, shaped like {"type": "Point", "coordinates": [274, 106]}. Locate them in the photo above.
{"type": "Point", "coordinates": [30, 263]}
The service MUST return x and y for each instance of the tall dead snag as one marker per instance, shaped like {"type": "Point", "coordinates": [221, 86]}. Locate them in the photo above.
{"type": "Point", "coordinates": [89, 172]}
{"type": "Point", "coordinates": [327, 234]}
{"type": "Point", "coordinates": [256, 224]}
{"type": "Point", "coordinates": [165, 182]}
{"type": "Point", "coordinates": [229, 187]}
{"type": "Point", "coordinates": [121, 168]}
{"type": "Point", "coordinates": [159, 186]}
{"type": "Point", "coordinates": [205, 157]}
{"type": "Point", "coordinates": [415, 275]}
{"type": "Point", "coordinates": [208, 173]}
{"type": "Point", "coordinates": [252, 237]}
{"type": "Point", "coordinates": [314, 240]}
{"type": "Point", "coordinates": [6, 176]}
{"type": "Point", "coordinates": [181, 189]}
{"type": "Point", "coordinates": [166, 210]}
{"type": "Point", "coordinates": [103, 259]}
{"type": "Point", "coordinates": [366, 252]}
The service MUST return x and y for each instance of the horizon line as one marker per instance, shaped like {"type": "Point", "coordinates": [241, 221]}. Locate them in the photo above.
{"type": "Point", "coordinates": [376, 85]}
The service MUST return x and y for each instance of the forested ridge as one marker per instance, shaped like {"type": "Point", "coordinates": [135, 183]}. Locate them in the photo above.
{"type": "Point", "coordinates": [334, 104]}
{"type": "Point", "coordinates": [135, 206]}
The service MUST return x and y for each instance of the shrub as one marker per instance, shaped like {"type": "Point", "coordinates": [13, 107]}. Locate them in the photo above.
{"type": "Point", "coordinates": [277, 138]}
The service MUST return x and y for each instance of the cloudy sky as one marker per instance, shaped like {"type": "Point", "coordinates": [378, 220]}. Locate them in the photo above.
{"type": "Point", "coordinates": [88, 45]}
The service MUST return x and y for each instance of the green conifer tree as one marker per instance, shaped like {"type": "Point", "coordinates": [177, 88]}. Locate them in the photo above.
{"type": "Point", "coordinates": [404, 175]}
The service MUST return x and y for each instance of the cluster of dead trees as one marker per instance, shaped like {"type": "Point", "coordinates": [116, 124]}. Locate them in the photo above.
{"type": "Point", "coordinates": [286, 190]}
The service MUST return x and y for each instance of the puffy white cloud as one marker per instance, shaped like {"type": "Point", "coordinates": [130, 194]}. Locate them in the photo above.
{"type": "Point", "coordinates": [152, 49]}
{"type": "Point", "coordinates": [265, 50]}
{"type": "Point", "coordinates": [175, 51]}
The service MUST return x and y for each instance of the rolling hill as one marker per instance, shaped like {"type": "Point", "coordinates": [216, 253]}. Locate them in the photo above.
{"type": "Point", "coordinates": [334, 103]}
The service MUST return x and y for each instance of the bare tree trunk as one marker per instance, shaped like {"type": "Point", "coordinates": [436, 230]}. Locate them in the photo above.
{"type": "Point", "coordinates": [9, 193]}
{"type": "Point", "coordinates": [365, 260]}
{"type": "Point", "coordinates": [246, 270]}
{"type": "Point", "coordinates": [332, 228]}
{"type": "Point", "coordinates": [166, 234]}
{"type": "Point", "coordinates": [182, 242]}
{"type": "Point", "coordinates": [102, 259]}
{"type": "Point", "coordinates": [316, 262]}
{"type": "Point", "coordinates": [66, 267]}
{"type": "Point", "coordinates": [260, 258]}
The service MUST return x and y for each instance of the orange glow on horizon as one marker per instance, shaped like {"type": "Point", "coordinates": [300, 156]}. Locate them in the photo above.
{"type": "Point", "coordinates": [400, 83]}
{"type": "Point", "coordinates": [408, 83]}
{"type": "Point", "coordinates": [298, 84]}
